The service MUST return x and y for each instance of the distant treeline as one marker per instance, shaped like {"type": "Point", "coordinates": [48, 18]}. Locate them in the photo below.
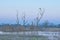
{"type": "Point", "coordinates": [46, 24]}
{"type": "Point", "coordinates": [19, 27]}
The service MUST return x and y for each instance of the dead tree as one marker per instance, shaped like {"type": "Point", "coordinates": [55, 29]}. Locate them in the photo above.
{"type": "Point", "coordinates": [23, 19]}
{"type": "Point", "coordinates": [17, 18]}
{"type": "Point", "coordinates": [39, 15]}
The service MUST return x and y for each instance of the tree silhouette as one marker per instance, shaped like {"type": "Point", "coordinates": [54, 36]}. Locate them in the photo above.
{"type": "Point", "coordinates": [17, 18]}
{"type": "Point", "coordinates": [39, 15]}
{"type": "Point", "coordinates": [24, 19]}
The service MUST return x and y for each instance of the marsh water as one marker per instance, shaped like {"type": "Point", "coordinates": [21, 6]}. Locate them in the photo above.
{"type": "Point", "coordinates": [30, 35]}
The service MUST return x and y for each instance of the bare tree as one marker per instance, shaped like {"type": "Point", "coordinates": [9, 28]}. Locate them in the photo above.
{"type": "Point", "coordinates": [17, 18]}
{"type": "Point", "coordinates": [24, 19]}
{"type": "Point", "coordinates": [40, 15]}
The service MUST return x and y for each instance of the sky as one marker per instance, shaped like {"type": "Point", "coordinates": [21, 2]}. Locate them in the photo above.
{"type": "Point", "coordinates": [30, 8]}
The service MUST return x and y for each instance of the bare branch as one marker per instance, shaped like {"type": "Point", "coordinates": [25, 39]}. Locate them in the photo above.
{"type": "Point", "coordinates": [41, 13]}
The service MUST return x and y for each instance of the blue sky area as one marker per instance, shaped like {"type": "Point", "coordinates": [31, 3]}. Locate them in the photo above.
{"type": "Point", "coordinates": [30, 8]}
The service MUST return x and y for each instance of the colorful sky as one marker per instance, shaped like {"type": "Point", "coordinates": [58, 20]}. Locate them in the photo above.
{"type": "Point", "coordinates": [30, 8]}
